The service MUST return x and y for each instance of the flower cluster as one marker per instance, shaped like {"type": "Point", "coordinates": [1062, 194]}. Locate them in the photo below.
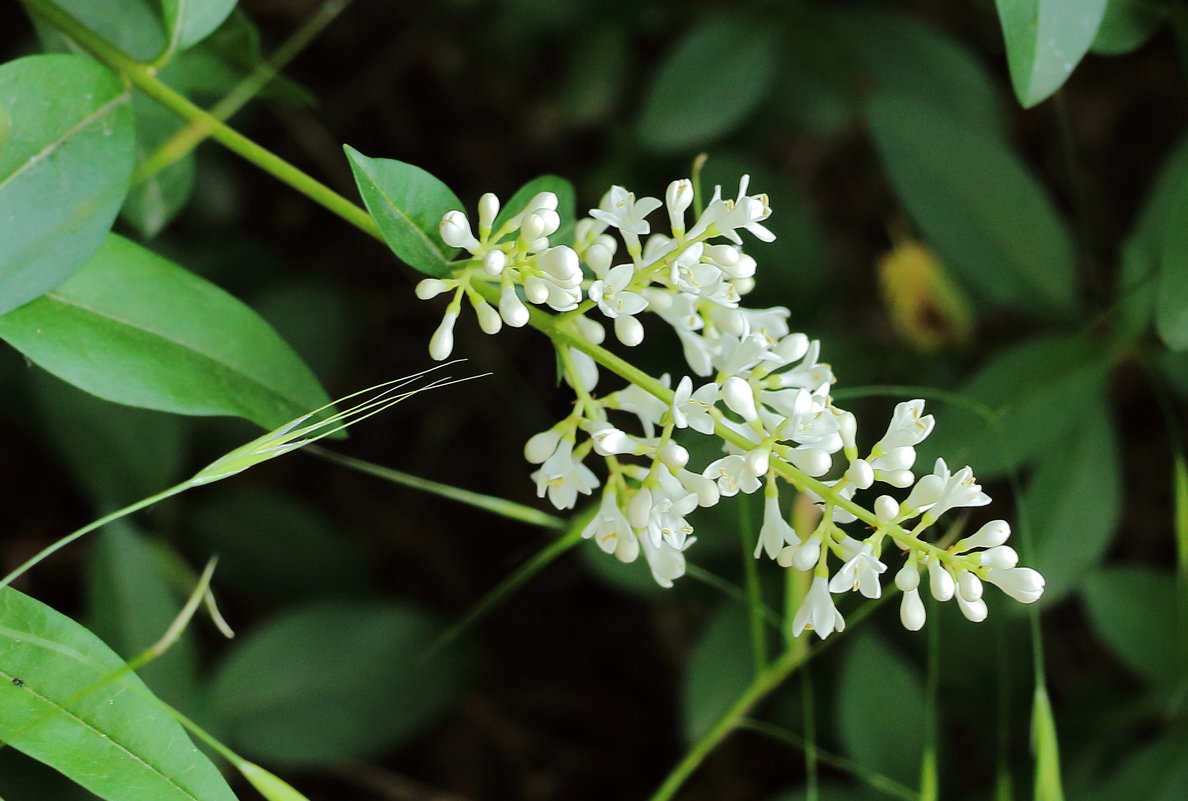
{"type": "Point", "coordinates": [753, 383]}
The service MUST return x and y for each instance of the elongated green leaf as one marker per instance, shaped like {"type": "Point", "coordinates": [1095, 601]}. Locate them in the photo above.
{"type": "Point", "coordinates": [136, 329]}
{"type": "Point", "coordinates": [1152, 772]}
{"type": "Point", "coordinates": [1045, 40]}
{"type": "Point", "coordinates": [1171, 295]}
{"type": "Point", "coordinates": [1038, 393]}
{"type": "Point", "coordinates": [1128, 24]}
{"type": "Point", "coordinates": [335, 681]}
{"type": "Point", "coordinates": [64, 169]}
{"type": "Point", "coordinates": [881, 710]}
{"type": "Point", "coordinates": [1045, 746]}
{"type": "Point", "coordinates": [566, 204]}
{"type": "Point", "coordinates": [1144, 249]}
{"type": "Point", "coordinates": [913, 60]}
{"type": "Point", "coordinates": [190, 21]}
{"type": "Point", "coordinates": [132, 605]}
{"type": "Point", "coordinates": [112, 738]}
{"type": "Point", "coordinates": [719, 670]}
{"type": "Point", "coordinates": [709, 84]}
{"type": "Point", "coordinates": [1074, 501]}
{"type": "Point", "coordinates": [408, 204]}
{"type": "Point", "coordinates": [1129, 608]}
{"type": "Point", "coordinates": [978, 205]}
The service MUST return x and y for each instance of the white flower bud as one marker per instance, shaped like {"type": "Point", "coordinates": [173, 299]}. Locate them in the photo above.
{"type": "Point", "coordinates": [807, 554]}
{"type": "Point", "coordinates": [926, 492]}
{"type": "Point", "coordinates": [705, 489]}
{"type": "Point", "coordinates": [911, 610]}
{"type": "Point", "coordinates": [488, 210]}
{"type": "Point", "coordinates": [731, 321]}
{"type": "Point", "coordinates": [994, 533]}
{"type": "Point", "coordinates": [540, 447]}
{"type": "Point", "coordinates": [455, 231]}
{"type": "Point", "coordinates": [969, 586]}
{"type": "Point", "coordinates": [812, 461]}
{"type": "Point", "coordinates": [999, 556]}
{"type": "Point", "coordinates": [488, 319]}
{"type": "Point", "coordinates": [739, 396]}
{"type": "Point", "coordinates": [678, 198]}
{"type": "Point", "coordinates": [494, 261]}
{"type": "Point", "coordinates": [562, 264]}
{"type": "Point", "coordinates": [599, 257]}
{"type": "Point", "coordinates": [550, 219]}
{"type": "Point", "coordinates": [511, 308]}
{"type": "Point", "coordinates": [908, 576]}
{"type": "Point", "coordinates": [536, 290]}
{"type": "Point", "coordinates": [901, 458]}
{"type": "Point", "coordinates": [628, 549]}
{"type": "Point", "coordinates": [860, 474]}
{"type": "Point", "coordinates": [940, 581]}
{"type": "Point", "coordinates": [792, 348]}
{"type": "Point", "coordinates": [721, 255]}
{"type": "Point", "coordinates": [441, 344]}
{"type": "Point", "coordinates": [896, 478]}
{"type": "Point", "coordinates": [629, 330]}
{"type": "Point", "coordinates": [886, 508]}
{"type": "Point", "coordinates": [431, 288]}
{"type": "Point", "coordinates": [674, 455]}
{"type": "Point", "coordinates": [757, 461]}
{"type": "Point", "coordinates": [610, 441]}
{"type": "Point", "coordinates": [975, 611]}
{"type": "Point", "coordinates": [659, 300]}
{"type": "Point", "coordinates": [742, 272]}
{"type": "Point", "coordinates": [743, 286]}
{"type": "Point", "coordinates": [639, 509]}
{"type": "Point", "coordinates": [1021, 583]}
{"type": "Point", "coordinates": [847, 429]}
{"type": "Point", "coordinates": [532, 227]}
{"type": "Point", "coordinates": [591, 330]}
{"type": "Point", "coordinates": [543, 200]}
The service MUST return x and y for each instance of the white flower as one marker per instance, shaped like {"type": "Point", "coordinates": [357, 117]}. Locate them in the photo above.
{"type": "Point", "coordinates": [667, 563]}
{"type": "Point", "coordinates": [611, 295]}
{"type": "Point", "coordinates": [620, 209]}
{"type": "Point", "coordinates": [775, 533]}
{"type": "Point", "coordinates": [908, 428]}
{"type": "Point", "coordinates": [611, 531]}
{"type": "Point", "coordinates": [563, 477]}
{"type": "Point", "coordinates": [610, 441]}
{"type": "Point", "coordinates": [860, 573]}
{"type": "Point", "coordinates": [733, 475]}
{"type": "Point", "coordinates": [692, 409]}
{"type": "Point", "coordinates": [666, 519]}
{"type": "Point", "coordinates": [643, 404]}
{"type": "Point", "coordinates": [817, 612]}
{"type": "Point", "coordinates": [941, 490]}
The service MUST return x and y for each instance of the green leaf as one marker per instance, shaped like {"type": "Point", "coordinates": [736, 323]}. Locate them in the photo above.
{"type": "Point", "coordinates": [1045, 744]}
{"type": "Point", "coordinates": [136, 329]}
{"type": "Point", "coordinates": [112, 737]}
{"type": "Point", "coordinates": [566, 204]}
{"type": "Point", "coordinates": [719, 669]}
{"type": "Point", "coordinates": [1045, 39]}
{"type": "Point", "coordinates": [880, 710]}
{"type": "Point", "coordinates": [1129, 608]}
{"type": "Point", "coordinates": [978, 205]}
{"type": "Point", "coordinates": [1144, 249]}
{"type": "Point", "coordinates": [1128, 24]}
{"type": "Point", "coordinates": [154, 201]}
{"type": "Point", "coordinates": [118, 454]}
{"type": "Point", "coordinates": [1171, 294]}
{"type": "Point", "coordinates": [63, 171]}
{"type": "Point", "coordinates": [133, 26]}
{"type": "Point", "coordinates": [709, 85]}
{"type": "Point", "coordinates": [1073, 502]}
{"type": "Point", "coordinates": [190, 21]}
{"type": "Point", "coordinates": [907, 58]}
{"type": "Point", "coordinates": [408, 204]}
{"type": "Point", "coordinates": [1038, 393]}
{"type": "Point", "coordinates": [832, 791]}
{"type": "Point", "coordinates": [335, 681]}
{"type": "Point", "coordinates": [132, 605]}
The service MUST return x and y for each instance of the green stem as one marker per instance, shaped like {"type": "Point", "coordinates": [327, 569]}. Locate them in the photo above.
{"type": "Point", "coordinates": [499, 506]}
{"type": "Point", "coordinates": [49, 550]}
{"type": "Point", "coordinates": [145, 79]}
{"type": "Point", "coordinates": [188, 138]}
{"type": "Point", "coordinates": [731, 591]}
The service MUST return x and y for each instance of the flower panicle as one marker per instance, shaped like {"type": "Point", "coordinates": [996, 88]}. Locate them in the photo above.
{"type": "Point", "coordinates": [751, 382]}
